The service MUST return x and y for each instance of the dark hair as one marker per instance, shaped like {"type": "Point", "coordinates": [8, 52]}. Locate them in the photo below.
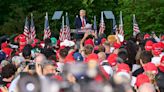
{"type": "Point", "coordinates": [26, 52]}
{"type": "Point", "coordinates": [131, 48]}
{"type": "Point", "coordinates": [139, 37]}
{"type": "Point", "coordinates": [146, 56]}
{"type": "Point", "coordinates": [48, 52]}
{"type": "Point", "coordinates": [63, 52]}
{"type": "Point", "coordinates": [47, 42]}
{"type": "Point", "coordinates": [101, 48]}
{"type": "Point", "coordinates": [89, 37]}
{"type": "Point", "coordinates": [123, 55]}
{"type": "Point", "coordinates": [88, 49]}
{"type": "Point", "coordinates": [8, 70]}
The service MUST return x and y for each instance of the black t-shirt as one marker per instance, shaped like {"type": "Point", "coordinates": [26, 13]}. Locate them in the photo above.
{"type": "Point", "coordinates": [160, 80]}
{"type": "Point", "coordinates": [107, 54]}
{"type": "Point", "coordinates": [138, 71]}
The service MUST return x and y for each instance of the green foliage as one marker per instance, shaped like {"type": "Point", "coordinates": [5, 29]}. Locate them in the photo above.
{"type": "Point", "coordinates": [149, 14]}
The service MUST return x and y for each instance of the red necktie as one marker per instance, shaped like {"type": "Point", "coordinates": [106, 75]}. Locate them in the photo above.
{"type": "Point", "coordinates": [83, 22]}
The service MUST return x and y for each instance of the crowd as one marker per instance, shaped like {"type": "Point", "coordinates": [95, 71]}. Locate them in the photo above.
{"type": "Point", "coordinates": [91, 64]}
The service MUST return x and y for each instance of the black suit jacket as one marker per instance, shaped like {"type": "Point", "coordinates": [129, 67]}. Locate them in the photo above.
{"type": "Point", "coordinates": [78, 22]}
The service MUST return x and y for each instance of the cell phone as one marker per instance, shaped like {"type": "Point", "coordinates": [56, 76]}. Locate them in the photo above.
{"type": "Point", "coordinates": [32, 66]}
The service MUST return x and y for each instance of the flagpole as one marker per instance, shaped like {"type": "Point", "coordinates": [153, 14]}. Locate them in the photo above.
{"type": "Point", "coordinates": [47, 14]}
{"type": "Point", "coordinates": [134, 18]}
{"type": "Point", "coordinates": [30, 26]}
{"type": "Point", "coordinates": [66, 14]}
{"type": "Point", "coordinates": [121, 18]}
{"type": "Point", "coordinates": [45, 36]}
{"type": "Point", "coordinates": [76, 31]}
{"type": "Point", "coordinates": [67, 20]}
{"type": "Point", "coordinates": [102, 17]}
{"type": "Point", "coordinates": [62, 28]}
{"type": "Point", "coordinates": [31, 15]}
{"type": "Point", "coordinates": [95, 27]}
{"type": "Point", "coordinates": [63, 22]}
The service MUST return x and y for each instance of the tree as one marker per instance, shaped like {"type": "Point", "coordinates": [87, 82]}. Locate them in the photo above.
{"type": "Point", "coordinates": [149, 13]}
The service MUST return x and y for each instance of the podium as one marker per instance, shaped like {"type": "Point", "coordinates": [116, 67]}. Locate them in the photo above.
{"type": "Point", "coordinates": [79, 33]}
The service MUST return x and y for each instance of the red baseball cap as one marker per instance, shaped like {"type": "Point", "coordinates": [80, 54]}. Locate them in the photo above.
{"type": "Point", "coordinates": [148, 45]}
{"type": "Point", "coordinates": [141, 79]}
{"type": "Point", "coordinates": [146, 36]}
{"type": "Point", "coordinates": [103, 40]}
{"type": "Point", "coordinates": [57, 77]}
{"type": "Point", "coordinates": [150, 67]}
{"type": "Point", "coordinates": [162, 59]}
{"type": "Point", "coordinates": [162, 38]}
{"type": "Point", "coordinates": [122, 67]}
{"type": "Point", "coordinates": [156, 49]}
{"type": "Point", "coordinates": [69, 58]}
{"type": "Point", "coordinates": [4, 45]}
{"type": "Point", "coordinates": [21, 47]}
{"type": "Point", "coordinates": [22, 41]}
{"type": "Point", "coordinates": [116, 45]}
{"type": "Point", "coordinates": [112, 59]}
{"type": "Point", "coordinates": [161, 44]}
{"type": "Point", "coordinates": [7, 51]}
{"type": "Point", "coordinates": [89, 41]}
{"type": "Point", "coordinates": [34, 42]}
{"type": "Point", "coordinates": [92, 56]}
{"type": "Point", "coordinates": [58, 42]}
{"type": "Point", "coordinates": [161, 66]}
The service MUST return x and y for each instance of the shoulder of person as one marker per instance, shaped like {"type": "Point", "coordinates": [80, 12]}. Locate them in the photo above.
{"type": "Point", "coordinates": [138, 71]}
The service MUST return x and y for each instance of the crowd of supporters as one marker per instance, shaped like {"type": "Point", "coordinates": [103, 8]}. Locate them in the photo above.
{"type": "Point", "coordinates": [91, 64]}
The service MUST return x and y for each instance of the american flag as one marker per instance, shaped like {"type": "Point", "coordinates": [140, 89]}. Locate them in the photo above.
{"type": "Point", "coordinates": [135, 26]}
{"type": "Point", "coordinates": [65, 30]}
{"type": "Point", "coordinates": [121, 31]}
{"type": "Point", "coordinates": [26, 29]}
{"type": "Point", "coordinates": [47, 32]}
{"type": "Point", "coordinates": [68, 36]}
{"type": "Point", "coordinates": [62, 31]}
{"type": "Point", "coordinates": [102, 25]}
{"type": "Point", "coordinates": [64, 34]}
{"type": "Point", "coordinates": [32, 28]}
{"type": "Point", "coordinates": [61, 37]}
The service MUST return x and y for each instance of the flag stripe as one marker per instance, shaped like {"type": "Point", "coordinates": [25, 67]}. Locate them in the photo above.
{"type": "Point", "coordinates": [32, 28]}
{"type": "Point", "coordinates": [26, 29]}
{"type": "Point", "coordinates": [121, 31]}
{"type": "Point", "coordinates": [135, 27]}
{"type": "Point", "coordinates": [47, 31]}
{"type": "Point", "coordinates": [65, 31]}
{"type": "Point", "coordinates": [102, 25]}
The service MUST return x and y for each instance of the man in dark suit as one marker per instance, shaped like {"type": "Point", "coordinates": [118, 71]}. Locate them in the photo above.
{"type": "Point", "coordinates": [81, 21]}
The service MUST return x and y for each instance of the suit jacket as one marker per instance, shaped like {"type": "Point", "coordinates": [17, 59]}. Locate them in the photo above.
{"type": "Point", "coordinates": [78, 22]}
